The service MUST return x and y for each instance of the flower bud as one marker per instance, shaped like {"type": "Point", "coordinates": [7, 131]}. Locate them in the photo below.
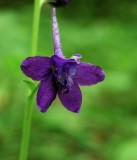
{"type": "Point", "coordinates": [59, 3]}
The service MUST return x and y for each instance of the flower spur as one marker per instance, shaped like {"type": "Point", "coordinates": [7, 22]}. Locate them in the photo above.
{"type": "Point", "coordinates": [60, 76]}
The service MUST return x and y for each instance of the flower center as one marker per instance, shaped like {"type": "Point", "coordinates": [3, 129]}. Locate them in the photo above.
{"type": "Point", "coordinates": [63, 70]}
{"type": "Point", "coordinates": [62, 79]}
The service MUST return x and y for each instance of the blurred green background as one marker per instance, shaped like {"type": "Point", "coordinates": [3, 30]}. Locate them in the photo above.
{"type": "Point", "coordinates": [105, 33]}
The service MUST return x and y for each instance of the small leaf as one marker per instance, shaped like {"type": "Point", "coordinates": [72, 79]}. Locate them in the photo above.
{"type": "Point", "coordinates": [29, 84]}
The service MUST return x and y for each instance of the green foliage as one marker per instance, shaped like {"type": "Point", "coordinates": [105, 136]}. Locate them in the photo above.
{"type": "Point", "coordinates": [106, 128]}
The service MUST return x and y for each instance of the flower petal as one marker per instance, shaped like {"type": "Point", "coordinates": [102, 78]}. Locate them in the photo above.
{"type": "Point", "coordinates": [36, 67]}
{"type": "Point", "coordinates": [71, 100]}
{"type": "Point", "coordinates": [88, 74]}
{"type": "Point", "coordinates": [59, 62]}
{"type": "Point", "coordinates": [46, 94]}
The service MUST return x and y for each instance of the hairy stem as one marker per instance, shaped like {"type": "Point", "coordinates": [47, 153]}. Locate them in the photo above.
{"type": "Point", "coordinates": [56, 35]}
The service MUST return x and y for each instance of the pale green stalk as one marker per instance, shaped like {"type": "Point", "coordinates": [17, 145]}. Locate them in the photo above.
{"type": "Point", "coordinates": [28, 108]}
{"type": "Point", "coordinates": [36, 17]}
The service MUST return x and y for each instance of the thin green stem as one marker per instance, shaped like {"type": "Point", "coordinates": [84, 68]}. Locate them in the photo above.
{"type": "Point", "coordinates": [26, 125]}
{"type": "Point", "coordinates": [26, 129]}
{"type": "Point", "coordinates": [29, 104]}
{"type": "Point", "coordinates": [35, 28]}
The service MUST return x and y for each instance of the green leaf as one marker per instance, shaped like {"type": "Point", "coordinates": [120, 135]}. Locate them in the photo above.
{"type": "Point", "coordinates": [29, 84]}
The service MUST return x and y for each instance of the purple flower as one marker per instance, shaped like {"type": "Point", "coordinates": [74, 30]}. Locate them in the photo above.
{"type": "Point", "coordinates": [60, 76]}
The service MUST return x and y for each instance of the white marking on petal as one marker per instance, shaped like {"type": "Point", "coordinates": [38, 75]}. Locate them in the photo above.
{"type": "Point", "coordinates": [77, 57]}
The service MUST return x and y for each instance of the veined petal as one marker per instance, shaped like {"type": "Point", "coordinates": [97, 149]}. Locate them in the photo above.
{"type": "Point", "coordinates": [71, 100]}
{"type": "Point", "coordinates": [46, 94]}
{"type": "Point", "coordinates": [88, 74]}
{"type": "Point", "coordinates": [36, 67]}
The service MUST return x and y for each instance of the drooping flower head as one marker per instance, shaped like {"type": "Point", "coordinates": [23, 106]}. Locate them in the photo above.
{"type": "Point", "coordinates": [60, 76]}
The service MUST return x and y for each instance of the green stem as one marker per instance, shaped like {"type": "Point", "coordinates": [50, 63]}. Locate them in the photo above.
{"type": "Point", "coordinates": [26, 128]}
{"type": "Point", "coordinates": [35, 27]}
{"type": "Point", "coordinates": [26, 125]}
{"type": "Point", "coordinates": [29, 105]}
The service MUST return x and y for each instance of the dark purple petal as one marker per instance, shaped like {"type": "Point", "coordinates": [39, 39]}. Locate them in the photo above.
{"type": "Point", "coordinates": [71, 100]}
{"type": "Point", "coordinates": [88, 74]}
{"type": "Point", "coordinates": [58, 62]}
{"type": "Point", "coordinates": [46, 94]}
{"type": "Point", "coordinates": [64, 64]}
{"type": "Point", "coordinates": [36, 67]}
{"type": "Point", "coordinates": [61, 61]}
{"type": "Point", "coordinates": [70, 68]}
